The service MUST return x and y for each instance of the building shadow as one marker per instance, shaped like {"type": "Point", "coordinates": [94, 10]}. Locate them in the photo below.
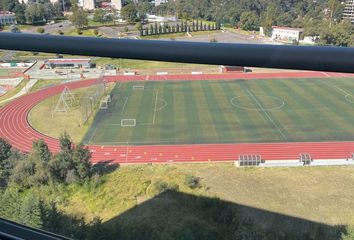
{"type": "Point", "coordinates": [176, 215]}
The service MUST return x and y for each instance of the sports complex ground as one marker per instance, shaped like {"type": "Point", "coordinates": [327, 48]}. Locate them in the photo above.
{"type": "Point", "coordinates": [194, 118]}
{"type": "Point", "coordinates": [234, 111]}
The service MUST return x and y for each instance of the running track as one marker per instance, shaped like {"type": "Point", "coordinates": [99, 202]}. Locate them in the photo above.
{"type": "Point", "coordinates": [15, 128]}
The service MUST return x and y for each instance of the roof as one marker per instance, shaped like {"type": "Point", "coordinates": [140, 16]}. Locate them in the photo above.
{"type": "Point", "coordinates": [6, 13]}
{"type": "Point", "coordinates": [63, 60]}
{"type": "Point", "coordinates": [288, 28]}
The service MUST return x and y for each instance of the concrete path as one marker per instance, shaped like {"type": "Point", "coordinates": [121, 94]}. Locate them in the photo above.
{"type": "Point", "coordinates": [23, 91]}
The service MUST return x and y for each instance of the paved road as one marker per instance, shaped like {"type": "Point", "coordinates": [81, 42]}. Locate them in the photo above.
{"type": "Point", "coordinates": [22, 92]}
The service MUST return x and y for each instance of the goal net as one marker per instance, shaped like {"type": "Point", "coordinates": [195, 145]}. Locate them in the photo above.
{"type": "Point", "coordinates": [128, 122]}
{"type": "Point", "coordinates": [105, 101]}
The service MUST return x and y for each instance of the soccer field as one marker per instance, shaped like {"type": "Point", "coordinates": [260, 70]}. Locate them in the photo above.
{"type": "Point", "coordinates": [240, 111]}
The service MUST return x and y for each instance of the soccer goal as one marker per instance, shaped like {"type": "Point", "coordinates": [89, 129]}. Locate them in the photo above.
{"type": "Point", "coordinates": [128, 122]}
{"type": "Point", "coordinates": [105, 101]}
{"type": "Point", "coordinates": [138, 87]}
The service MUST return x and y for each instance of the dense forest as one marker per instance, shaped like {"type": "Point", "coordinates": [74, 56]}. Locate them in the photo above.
{"type": "Point", "coordinates": [321, 18]}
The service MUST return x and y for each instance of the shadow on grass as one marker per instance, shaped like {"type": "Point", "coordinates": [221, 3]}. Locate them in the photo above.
{"type": "Point", "coordinates": [106, 167]}
{"type": "Point", "coordinates": [176, 215]}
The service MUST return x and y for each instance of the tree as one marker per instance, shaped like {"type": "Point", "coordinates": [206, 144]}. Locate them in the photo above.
{"type": "Point", "coordinates": [99, 16]}
{"type": "Point", "coordinates": [79, 18]}
{"type": "Point", "coordinates": [19, 11]}
{"type": "Point", "coordinates": [21, 174]}
{"type": "Point", "coordinates": [249, 21]}
{"type": "Point", "coordinates": [40, 30]}
{"type": "Point", "coordinates": [10, 204]}
{"type": "Point", "coordinates": [65, 142]}
{"type": "Point", "coordinates": [138, 26]}
{"type": "Point", "coordinates": [129, 13]}
{"type": "Point", "coordinates": [30, 213]}
{"type": "Point", "coordinates": [37, 13]}
{"type": "Point", "coordinates": [82, 162]}
{"type": "Point", "coordinates": [5, 150]}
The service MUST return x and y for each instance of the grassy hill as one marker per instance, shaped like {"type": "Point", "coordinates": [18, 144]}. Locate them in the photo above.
{"type": "Point", "coordinates": [156, 202]}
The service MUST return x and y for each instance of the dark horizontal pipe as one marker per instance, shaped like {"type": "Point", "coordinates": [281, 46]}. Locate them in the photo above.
{"type": "Point", "coordinates": [331, 59]}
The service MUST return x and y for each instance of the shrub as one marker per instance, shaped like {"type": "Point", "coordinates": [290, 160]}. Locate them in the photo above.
{"type": "Point", "coordinates": [95, 32]}
{"type": "Point", "coordinates": [78, 31]}
{"type": "Point", "coordinates": [160, 186]}
{"type": "Point", "coordinates": [213, 40]}
{"type": "Point", "coordinates": [40, 30]}
{"type": "Point", "coordinates": [191, 181]}
{"type": "Point", "coordinates": [60, 32]}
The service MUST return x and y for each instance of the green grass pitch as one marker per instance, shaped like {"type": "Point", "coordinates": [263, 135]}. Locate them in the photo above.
{"type": "Point", "coordinates": [240, 111]}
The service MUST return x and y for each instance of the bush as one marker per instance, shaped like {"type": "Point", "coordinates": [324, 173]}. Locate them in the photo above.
{"type": "Point", "coordinates": [40, 30]}
{"type": "Point", "coordinates": [213, 40]}
{"type": "Point", "coordinates": [60, 32]}
{"type": "Point", "coordinates": [191, 181]}
{"type": "Point", "coordinates": [95, 32]}
{"type": "Point", "coordinates": [78, 31]}
{"type": "Point", "coordinates": [160, 186]}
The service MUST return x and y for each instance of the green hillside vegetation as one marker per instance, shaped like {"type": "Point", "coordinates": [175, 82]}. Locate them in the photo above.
{"type": "Point", "coordinates": [190, 201]}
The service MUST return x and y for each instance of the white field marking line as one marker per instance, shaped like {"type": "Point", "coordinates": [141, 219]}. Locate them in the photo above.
{"type": "Point", "coordinates": [347, 95]}
{"type": "Point", "coordinates": [163, 106]}
{"type": "Point", "coordinates": [153, 119]}
{"type": "Point", "coordinates": [255, 99]}
{"type": "Point", "coordinates": [125, 103]}
{"type": "Point", "coordinates": [326, 74]}
{"type": "Point", "coordinates": [255, 109]}
{"type": "Point", "coordinates": [343, 91]}
{"type": "Point", "coordinates": [93, 134]}
{"type": "Point", "coordinates": [185, 141]}
{"type": "Point", "coordinates": [118, 85]}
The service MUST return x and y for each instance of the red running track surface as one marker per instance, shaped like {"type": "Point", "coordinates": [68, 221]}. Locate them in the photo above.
{"type": "Point", "coordinates": [14, 127]}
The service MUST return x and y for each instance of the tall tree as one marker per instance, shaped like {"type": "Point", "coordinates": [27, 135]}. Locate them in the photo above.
{"type": "Point", "coordinates": [129, 13]}
{"type": "Point", "coordinates": [79, 18]}
{"type": "Point", "coordinates": [249, 21]}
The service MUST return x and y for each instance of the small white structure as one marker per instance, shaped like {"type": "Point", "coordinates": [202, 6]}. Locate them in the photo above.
{"type": "Point", "coordinates": [86, 4]}
{"type": "Point", "coordinates": [261, 32]}
{"type": "Point", "coordinates": [286, 33]}
{"type": "Point", "coordinates": [159, 2]}
{"type": "Point", "coordinates": [68, 63]}
{"type": "Point", "coordinates": [116, 4]}
{"type": "Point", "coordinates": [310, 40]}
{"type": "Point", "coordinates": [7, 18]}
{"type": "Point", "coordinates": [154, 18]}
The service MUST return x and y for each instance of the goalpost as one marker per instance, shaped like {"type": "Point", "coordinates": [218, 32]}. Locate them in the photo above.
{"type": "Point", "coordinates": [105, 101]}
{"type": "Point", "coordinates": [128, 122]}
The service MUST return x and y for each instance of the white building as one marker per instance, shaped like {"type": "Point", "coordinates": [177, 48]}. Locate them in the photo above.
{"type": "Point", "coordinates": [159, 2]}
{"type": "Point", "coordinates": [52, 1]}
{"type": "Point", "coordinates": [7, 18]}
{"type": "Point", "coordinates": [86, 4]}
{"type": "Point", "coordinates": [116, 4]}
{"type": "Point", "coordinates": [348, 12]}
{"type": "Point", "coordinates": [286, 33]}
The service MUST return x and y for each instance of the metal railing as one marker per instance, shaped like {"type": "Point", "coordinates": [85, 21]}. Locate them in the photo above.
{"type": "Point", "coordinates": [330, 59]}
